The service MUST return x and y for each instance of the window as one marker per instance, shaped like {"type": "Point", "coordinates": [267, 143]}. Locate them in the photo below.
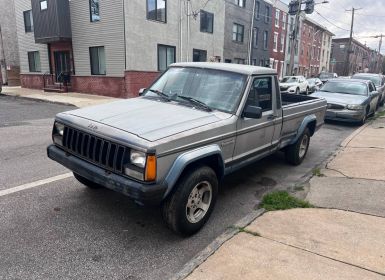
{"type": "Point", "coordinates": [265, 39]}
{"type": "Point", "coordinates": [255, 37]}
{"type": "Point", "coordinates": [275, 42]}
{"type": "Point", "coordinates": [277, 15]}
{"type": "Point", "coordinates": [238, 32]}
{"type": "Point", "coordinates": [261, 94]}
{"type": "Point", "coordinates": [166, 56]}
{"type": "Point", "coordinates": [227, 60]}
{"type": "Point", "coordinates": [43, 5]}
{"type": "Point", "coordinates": [262, 62]}
{"type": "Point", "coordinates": [240, 3]}
{"type": "Point", "coordinates": [28, 21]}
{"type": "Point", "coordinates": [157, 10]}
{"type": "Point", "coordinates": [199, 55]}
{"type": "Point", "coordinates": [98, 61]}
{"type": "Point", "coordinates": [34, 62]}
{"type": "Point", "coordinates": [207, 22]}
{"type": "Point", "coordinates": [94, 10]}
{"type": "Point", "coordinates": [267, 14]}
{"type": "Point", "coordinates": [283, 21]}
{"type": "Point", "coordinates": [239, 61]}
{"type": "Point", "coordinates": [282, 42]}
{"type": "Point", "coordinates": [257, 9]}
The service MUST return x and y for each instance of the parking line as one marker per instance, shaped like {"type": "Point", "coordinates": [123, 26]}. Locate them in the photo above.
{"type": "Point", "coordinates": [35, 184]}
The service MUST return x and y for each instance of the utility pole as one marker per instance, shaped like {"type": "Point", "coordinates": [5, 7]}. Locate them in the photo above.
{"type": "Point", "coordinates": [250, 53]}
{"type": "Point", "coordinates": [347, 68]}
{"type": "Point", "coordinates": [293, 37]}
{"type": "Point", "coordinates": [3, 62]}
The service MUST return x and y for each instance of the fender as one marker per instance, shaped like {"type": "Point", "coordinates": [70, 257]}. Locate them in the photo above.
{"type": "Point", "coordinates": [186, 158]}
{"type": "Point", "coordinates": [304, 124]}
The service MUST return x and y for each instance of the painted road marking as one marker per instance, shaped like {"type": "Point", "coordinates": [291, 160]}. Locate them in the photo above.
{"type": "Point", "coordinates": [35, 184]}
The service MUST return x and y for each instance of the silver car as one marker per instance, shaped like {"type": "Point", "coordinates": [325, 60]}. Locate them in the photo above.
{"type": "Point", "coordinates": [349, 100]}
{"type": "Point", "coordinates": [378, 81]}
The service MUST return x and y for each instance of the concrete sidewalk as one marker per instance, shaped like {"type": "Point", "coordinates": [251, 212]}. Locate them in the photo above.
{"type": "Point", "coordinates": [79, 100]}
{"type": "Point", "coordinates": [346, 241]}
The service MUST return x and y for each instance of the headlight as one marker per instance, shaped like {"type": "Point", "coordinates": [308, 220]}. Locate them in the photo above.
{"type": "Point", "coordinates": [355, 107]}
{"type": "Point", "coordinates": [142, 166]}
{"type": "Point", "coordinates": [138, 158]}
{"type": "Point", "coordinates": [58, 132]}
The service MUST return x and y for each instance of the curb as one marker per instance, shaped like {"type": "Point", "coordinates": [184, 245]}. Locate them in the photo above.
{"type": "Point", "coordinates": [38, 99]}
{"type": "Point", "coordinates": [203, 255]}
{"type": "Point", "coordinates": [353, 135]}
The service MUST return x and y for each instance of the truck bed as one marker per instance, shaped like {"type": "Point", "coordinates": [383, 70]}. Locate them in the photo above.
{"type": "Point", "coordinates": [295, 108]}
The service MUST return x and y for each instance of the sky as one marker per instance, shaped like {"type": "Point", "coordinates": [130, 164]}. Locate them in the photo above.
{"type": "Point", "coordinates": [369, 21]}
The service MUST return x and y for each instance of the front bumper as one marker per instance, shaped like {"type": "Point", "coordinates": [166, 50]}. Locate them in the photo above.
{"type": "Point", "coordinates": [144, 194]}
{"type": "Point", "coordinates": [345, 115]}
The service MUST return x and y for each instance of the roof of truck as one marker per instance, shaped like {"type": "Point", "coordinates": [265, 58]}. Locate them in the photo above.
{"type": "Point", "coordinates": [237, 68]}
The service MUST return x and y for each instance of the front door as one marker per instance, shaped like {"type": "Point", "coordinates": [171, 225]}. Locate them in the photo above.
{"type": "Point", "coordinates": [255, 136]}
{"type": "Point", "coordinates": [62, 64]}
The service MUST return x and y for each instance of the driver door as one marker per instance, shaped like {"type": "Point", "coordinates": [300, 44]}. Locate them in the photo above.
{"type": "Point", "coordinates": [254, 136]}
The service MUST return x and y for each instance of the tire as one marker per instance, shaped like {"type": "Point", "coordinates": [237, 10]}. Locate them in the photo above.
{"type": "Point", "coordinates": [307, 91]}
{"type": "Point", "coordinates": [363, 120]}
{"type": "Point", "coordinates": [297, 91]}
{"type": "Point", "coordinates": [87, 182]}
{"type": "Point", "coordinates": [181, 210]}
{"type": "Point", "coordinates": [296, 153]}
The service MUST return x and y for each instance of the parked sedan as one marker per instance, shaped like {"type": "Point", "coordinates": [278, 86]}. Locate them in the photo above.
{"type": "Point", "coordinates": [378, 81]}
{"type": "Point", "coordinates": [314, 84]}
{"type": "Point", "coordinates": [349, 100]}
{"type": "Point", "coordinates": [324, 76]}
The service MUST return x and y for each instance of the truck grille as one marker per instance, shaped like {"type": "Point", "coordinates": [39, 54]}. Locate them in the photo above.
{"type": "Point", "coordinates": [101, 152]}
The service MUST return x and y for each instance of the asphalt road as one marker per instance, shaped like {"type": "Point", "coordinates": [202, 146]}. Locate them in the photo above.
{"type": "Point", "coordinates": [62, 230]}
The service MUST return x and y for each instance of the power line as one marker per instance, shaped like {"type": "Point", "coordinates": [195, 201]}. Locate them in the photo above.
{"type": "Point", "coordinates": [329, 21]}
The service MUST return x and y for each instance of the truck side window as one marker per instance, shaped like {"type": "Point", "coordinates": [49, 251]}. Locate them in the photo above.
{"type": "Point", "coordinates": [371, 87]}
{"type": "Point", "coordinates": [261, 94]}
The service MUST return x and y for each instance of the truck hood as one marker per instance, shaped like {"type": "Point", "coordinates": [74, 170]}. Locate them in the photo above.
{"type": "Point", "coordinates": [341, 98]}
{"type": "Point", "coordinates": [149, 119]}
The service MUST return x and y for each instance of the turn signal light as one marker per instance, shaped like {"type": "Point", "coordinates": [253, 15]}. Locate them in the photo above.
{"type": "Point", "coordinates": [150, 173]}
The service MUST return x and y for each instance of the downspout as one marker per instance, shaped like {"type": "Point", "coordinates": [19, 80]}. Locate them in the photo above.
{"type": "Point", "coordinates": [124, 36]}
{"type": "Point", "coordinates": [251, 34]}
{"type": "Point", "coordinates": [188, 32]}
{"type": "Point", "coordinates": [180, 31]}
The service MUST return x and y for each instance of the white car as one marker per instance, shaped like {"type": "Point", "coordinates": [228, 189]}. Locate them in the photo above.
{"type": "Point", "coordinates": [294, 84]}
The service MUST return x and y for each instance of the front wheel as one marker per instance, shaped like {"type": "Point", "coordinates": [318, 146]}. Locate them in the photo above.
{"type": "Point", "coordinates": [307, 91]}
{"type": "Point", "coordinates": [296, 153]}
{"type": "Point", "coordinates": [297, 91]}
{"type": "Point", "coordinates": [189, 207]}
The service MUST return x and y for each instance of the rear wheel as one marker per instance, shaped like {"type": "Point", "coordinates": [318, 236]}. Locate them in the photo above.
{"type": "Point", "coordinates": [87, 182]}
{"type": "Point", "coordinates": [296, 153]}
{"type": "Point", "coordinates": [189, 207]}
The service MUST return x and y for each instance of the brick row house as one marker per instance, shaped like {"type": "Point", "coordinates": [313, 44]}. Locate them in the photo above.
{"type": "Point", "coordinates": [361, 59]}
{"type": "Point", "coordinates": [279, 37]}
{"type": "Point", "coordinates": [116, 47]}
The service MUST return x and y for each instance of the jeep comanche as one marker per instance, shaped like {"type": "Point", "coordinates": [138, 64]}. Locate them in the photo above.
{"type": "Point", "coordinates": [173, 145]}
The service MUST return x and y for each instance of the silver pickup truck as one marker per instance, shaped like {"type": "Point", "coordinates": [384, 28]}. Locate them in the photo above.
{"type": "Point", "coordinates": [173, 145]}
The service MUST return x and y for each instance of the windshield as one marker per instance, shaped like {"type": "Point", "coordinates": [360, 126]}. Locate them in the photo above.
{"type": "Point", "coordinates": [345, 87]}
{"type": "Point", "coordinates": [289, 80]}
{"type": "Point", "coordinates": [375, 79]}
{"type": "Point", "coordinates": [219, 90]}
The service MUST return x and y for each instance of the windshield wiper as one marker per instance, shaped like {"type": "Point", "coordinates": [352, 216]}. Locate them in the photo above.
{"type": "Point", "coordinates": [161, 94]}
{"type": "Point", "coordinates": [196, 102]}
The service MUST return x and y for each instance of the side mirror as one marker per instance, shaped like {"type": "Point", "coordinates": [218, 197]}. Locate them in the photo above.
{"type": "Point", "coordinates": [373, 93]}
{"type": "Point", "coordinates": [252, 112]}
{"type": "Point", "coordinates": [142, 91]}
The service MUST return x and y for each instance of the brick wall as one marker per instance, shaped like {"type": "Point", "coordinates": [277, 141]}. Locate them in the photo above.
{"type": "Point", "coordinates": [34, 81]}
{"type": "Point", "coordinates": [135, 80]}
{"type": "Point", "coordinates": [99, 85]}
